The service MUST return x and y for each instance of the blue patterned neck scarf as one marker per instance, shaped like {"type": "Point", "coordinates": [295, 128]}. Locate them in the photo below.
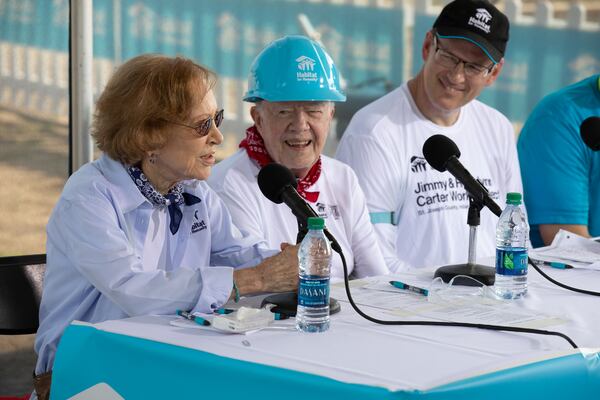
{"type": "Point", "coordinates": [173, 200]}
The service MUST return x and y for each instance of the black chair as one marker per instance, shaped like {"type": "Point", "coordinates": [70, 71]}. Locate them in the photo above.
{"type": "Point", "coordinates": [21, 280]}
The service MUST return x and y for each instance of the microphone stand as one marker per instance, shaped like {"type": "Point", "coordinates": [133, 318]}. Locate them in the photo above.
{"type": "Point", "coordinates": [302, 230]}
{"type": "Point", "coordinates": [286, 303]}
{"type": "Point", "coordinates": [482, 273]}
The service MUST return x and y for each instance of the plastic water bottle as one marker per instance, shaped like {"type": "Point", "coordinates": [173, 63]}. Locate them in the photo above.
{"type": "Point", "coordinates": [314, 256]}
{"type": "Point", "coordinates": [512, 232]}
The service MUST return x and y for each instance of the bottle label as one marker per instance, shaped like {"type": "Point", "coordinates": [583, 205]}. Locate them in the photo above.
{"type": "Point", "coordinates": [313, 291]}
{"type": "Point", "coordinates": [511, 262]}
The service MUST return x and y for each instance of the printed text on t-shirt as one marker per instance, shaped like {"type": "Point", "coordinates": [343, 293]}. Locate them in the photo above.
{"type": "Point", "coordinates": [446, 194]}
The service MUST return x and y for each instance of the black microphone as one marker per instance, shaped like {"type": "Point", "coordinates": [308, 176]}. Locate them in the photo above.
{"type": "Point", "coordinates": [442, 154]}
{"type": "Point", "coordinates": [590, 132]}
{"type": "Point", "coordinates": [278, 184]}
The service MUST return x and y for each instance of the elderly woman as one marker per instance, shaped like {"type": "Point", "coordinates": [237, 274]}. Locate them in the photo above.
{"type": "Point", "coordinates": [138, 231]}
{"type": "Point", "coordinates": [293, 84]}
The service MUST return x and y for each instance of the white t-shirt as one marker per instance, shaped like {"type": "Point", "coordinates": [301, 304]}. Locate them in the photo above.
{"type": "Point", "coordinates": [341, 202]}
{"type": "Point", "coordinates": [383, 144]}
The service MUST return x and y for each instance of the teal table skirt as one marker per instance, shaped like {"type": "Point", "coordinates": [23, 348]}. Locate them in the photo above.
{"type": "Point", "coordinates": [132, 368]}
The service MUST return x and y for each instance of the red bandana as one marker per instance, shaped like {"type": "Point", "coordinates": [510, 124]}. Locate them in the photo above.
{"type": "Point", "coordinates": [255, 147]}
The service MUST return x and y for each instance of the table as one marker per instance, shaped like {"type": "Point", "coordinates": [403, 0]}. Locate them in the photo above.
{"type": "Point", "coordinates": [146, 357]}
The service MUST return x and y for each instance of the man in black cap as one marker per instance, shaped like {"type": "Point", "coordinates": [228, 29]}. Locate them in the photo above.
{"type": "Point", "coordinates": [420, 214]}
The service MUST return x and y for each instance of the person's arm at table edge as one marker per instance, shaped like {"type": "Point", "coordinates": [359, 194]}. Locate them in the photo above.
{"type": "Point", "coordinates": [548, 231]}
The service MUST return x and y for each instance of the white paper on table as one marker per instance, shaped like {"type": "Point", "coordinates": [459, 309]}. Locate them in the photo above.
{"type": "Point", "coordinates": [570, 248]}
{"type": "Point", "coordinates": [277, 325]}
{"type": "Point", "coordinates": [442, 306]}
{"type": "Point", "coordinates": [493, 313]}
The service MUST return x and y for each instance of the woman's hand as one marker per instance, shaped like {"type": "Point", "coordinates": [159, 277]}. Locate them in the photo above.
{"type": "Point", "coordinates": [278, 273]}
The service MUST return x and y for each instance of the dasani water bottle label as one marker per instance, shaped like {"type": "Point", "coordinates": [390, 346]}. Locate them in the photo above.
{"type": "Point", "coordinates": [511, 262]}
{"type": "Point", "coordinates": [313, 292]}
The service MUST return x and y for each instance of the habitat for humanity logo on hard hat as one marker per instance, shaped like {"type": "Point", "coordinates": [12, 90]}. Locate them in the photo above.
{"type": "Point", "coordinates": [307, 66]}
{"type": "Point", "coordinates": [481, 20]}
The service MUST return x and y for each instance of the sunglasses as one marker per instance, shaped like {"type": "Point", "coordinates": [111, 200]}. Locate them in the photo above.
{"type": "Point", "coordinates": [203, 127]}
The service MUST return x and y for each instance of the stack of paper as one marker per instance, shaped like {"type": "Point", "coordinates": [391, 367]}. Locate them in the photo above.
{"type": "Point", "coordinates": [572, 249]}
{"type": "Point", "coordinates": [441, 305]}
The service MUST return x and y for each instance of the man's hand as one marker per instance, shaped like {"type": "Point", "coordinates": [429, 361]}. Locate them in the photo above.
{"type": "Point", "coordinates": [278, 273]}
{"type": "Point", "coordinates": [281, 271]}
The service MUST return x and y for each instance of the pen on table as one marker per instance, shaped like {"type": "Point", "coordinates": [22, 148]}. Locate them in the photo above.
{"type": "Point", "coordinates": [404, 286]}
{"type": "Point", "coordinates": [277, 316]}
{"type": "Point", "coordinates": [280, 316]}
{"type": "Point", "coordinates": [223, 311]}
{"type": "Point", "coordinates": [554, 264]}
{"type": "Point", "coordinates": [192, 317]}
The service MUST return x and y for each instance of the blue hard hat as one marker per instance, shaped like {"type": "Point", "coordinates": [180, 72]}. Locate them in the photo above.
{"type": "Point", "coordinates": [294, 68]}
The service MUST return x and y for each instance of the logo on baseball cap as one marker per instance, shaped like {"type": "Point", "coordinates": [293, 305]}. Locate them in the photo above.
{"type": "Point", "coordinates": [477, 21]}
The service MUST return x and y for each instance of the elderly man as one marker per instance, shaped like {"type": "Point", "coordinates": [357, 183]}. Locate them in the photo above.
{"type": "Point", "coordinates": [293, 84]}
{"type": "Point", "coordinates": [420, 214]}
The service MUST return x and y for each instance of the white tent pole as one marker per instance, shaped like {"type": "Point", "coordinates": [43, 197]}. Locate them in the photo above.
{"type": "Point", "coordinates": [81, 82]}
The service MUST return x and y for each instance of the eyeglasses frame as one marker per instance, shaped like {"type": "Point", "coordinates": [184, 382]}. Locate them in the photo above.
{"type": "Point", "coordinates": [203, 127]}
{"type": "Point", "coordinates": [483, 71]}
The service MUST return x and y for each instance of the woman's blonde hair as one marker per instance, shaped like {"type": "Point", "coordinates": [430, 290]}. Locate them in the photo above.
{"type": "Point", "coordinates": [142, 95]}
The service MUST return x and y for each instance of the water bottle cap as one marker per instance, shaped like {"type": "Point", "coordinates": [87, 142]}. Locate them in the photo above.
{"type": "Point", "coordinates": [513, 198]}
{"type": "Point", "coordinates": [316, 223]}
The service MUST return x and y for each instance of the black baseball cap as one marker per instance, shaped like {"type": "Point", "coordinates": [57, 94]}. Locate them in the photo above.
{"type": "Point", "coordinates": [477, 21]}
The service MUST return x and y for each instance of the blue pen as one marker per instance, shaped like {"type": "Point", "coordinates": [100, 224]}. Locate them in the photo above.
{"type": "Point", "coordinates": [192, 317]}
{"type": "Point", "coordinates": [554, 264]}
{"type": "Point", "coordinates": [404, 286]}
{"type": "Point", "coordinates": [223, 311]}
{"type": "Point", "coordinates": [279, 316]}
